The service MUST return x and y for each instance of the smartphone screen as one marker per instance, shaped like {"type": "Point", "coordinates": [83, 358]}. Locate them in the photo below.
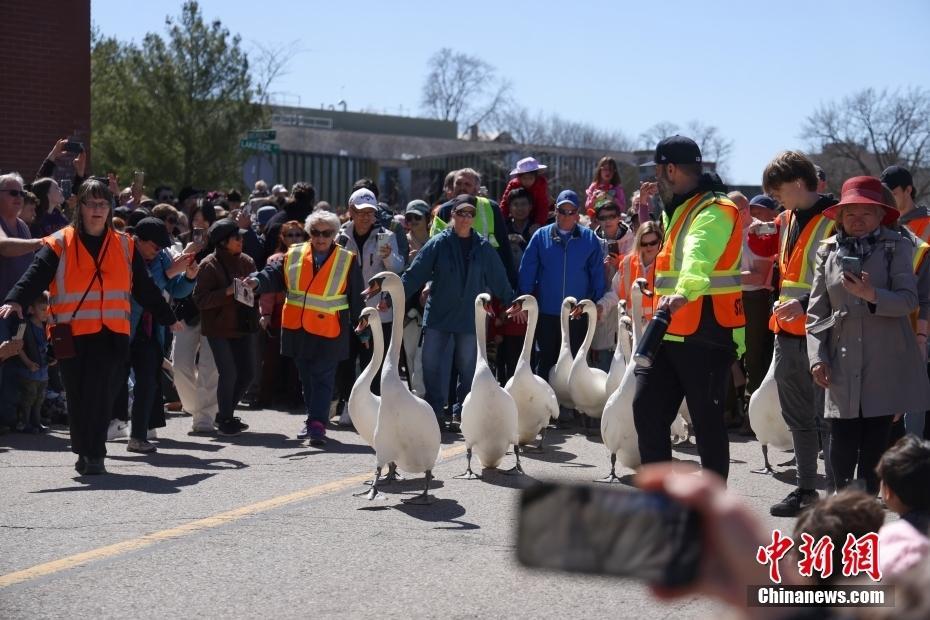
{"type": "Point", "coordinates": [613, 247]}
{"type": "Point", "coordinates": [851, 264]}
{"type": "Point", "coordinates": [609, 531]}
{"type": "Point", "coordinates": [197, 235]}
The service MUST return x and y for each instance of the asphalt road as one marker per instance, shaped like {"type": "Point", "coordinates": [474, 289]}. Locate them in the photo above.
{"type": "Point", "coordinates": [262, 525]}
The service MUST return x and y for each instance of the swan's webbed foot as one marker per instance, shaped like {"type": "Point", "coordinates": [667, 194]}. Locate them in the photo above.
{"type": "Point", "coordinates": [392, 475]}
{"type": "Point", "coordinates": [424, 498]}
{"type": "Point", "coordinates": [469, 474]}
{"type": "Point", "coordinates": [516, 469]}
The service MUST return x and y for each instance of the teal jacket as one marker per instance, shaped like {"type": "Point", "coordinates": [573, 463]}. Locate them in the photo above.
{"type": "Point", "coordinates": [451, 304]}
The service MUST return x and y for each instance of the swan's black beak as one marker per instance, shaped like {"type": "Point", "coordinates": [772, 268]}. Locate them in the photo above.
{"type": "Point", "coordinates": [641, 283]}
{"type": "Point", "coordinates": [362, 326]}
{"type": "Point", "coordinates": [374, 287]}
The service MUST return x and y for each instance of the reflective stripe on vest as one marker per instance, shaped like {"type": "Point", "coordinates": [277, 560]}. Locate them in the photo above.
{"type": "Point", "coordinates": [109, 307]}
{"type": "Point", "coordinates": [313, 300]}
{"type": "Point", "coordinates": [920, 253]}
{"type": "Point", "coordinates": [797, 270]}
{"type": "Point", "coordinates": [630, 271]}
{"type": "Point", "coordinates": [725, 289]}
{"type": "Point", "coordinates": [483, 223]}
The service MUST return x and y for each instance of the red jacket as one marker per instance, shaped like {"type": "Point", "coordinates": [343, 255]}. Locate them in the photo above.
{"type": "Point", "coordinates": [540, 192]}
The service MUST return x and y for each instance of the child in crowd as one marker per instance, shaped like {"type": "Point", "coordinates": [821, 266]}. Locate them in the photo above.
{"type": "Point", "coordinates": [904, 471]}
{"type": "Point", "coordinates": [528, 175]}
{"type": "Point", "coordinates": [33, 368]}
{"type": "Point", "coordinates": [606, 184]}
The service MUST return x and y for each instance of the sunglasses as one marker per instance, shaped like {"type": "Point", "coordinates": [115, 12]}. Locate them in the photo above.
{"type": "Point", "coordinates": [322, 233]}
{"type": "Point", "coordinates": [413, 217]}
{"type": "Point", "coordinates": [15, 193]}
{"type": "Point", "coordinates": [649, 244]}
{"type": "Point", "coordinates": [567, 211]}
{"type": "Point", "coordinates": [465, 212]}
{"type": "Point", "coordinates": [294, 236]}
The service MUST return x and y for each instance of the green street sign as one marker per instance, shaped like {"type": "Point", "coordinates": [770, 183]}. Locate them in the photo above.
{"type": "Point", "coordinates": [258, 145]}
{"type": "Point", "coordinates": [262, 134]}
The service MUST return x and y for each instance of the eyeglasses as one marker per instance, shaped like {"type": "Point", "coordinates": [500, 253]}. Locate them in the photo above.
{"type": "Point", "coordinates": [465, 213]}
{"type": "Point", "coordinates": [649, 244]}
{"type": "Point", "coordinates": [15, 193]}
{"type": "Point", "coordinates": [413, 217]}
{"type": "Point", "coordinates": [568, 212]}
{"type": "Point", "coordinates": [97, 204]}
{"type": "Point", "coordinates": [322, 233]}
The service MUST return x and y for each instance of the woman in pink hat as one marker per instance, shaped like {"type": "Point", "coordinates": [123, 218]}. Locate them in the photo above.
{"type": "Point", "coordinates": [859, 340]}
{"type": "Point", "coordinates": [527, 175]}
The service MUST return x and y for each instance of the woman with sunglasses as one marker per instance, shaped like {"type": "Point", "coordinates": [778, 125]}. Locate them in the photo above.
{"type": "Point", "coordinates": [616, 241]}
{"type": "Point", "coordinates": [323, 287]}
{"type": "Point", "coordinates": [416, 216]}
{"type": "Point", "coordinates": [640, 263]}
{"type": "Point", "coordinates": [276, 370]}
{"type": "Point", "coordinates": [227, 323]}
{"type": "Point", "coordinates": [91, 272]}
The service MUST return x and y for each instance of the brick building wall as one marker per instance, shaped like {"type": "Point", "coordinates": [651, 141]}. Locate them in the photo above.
{"type": "Point", "coordinates": [44, 79]}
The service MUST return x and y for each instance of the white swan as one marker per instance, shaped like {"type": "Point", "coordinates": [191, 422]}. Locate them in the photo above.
{"type": "Point", "coordinates": [535, 399]}
{"type": "Point", "coordinates": [489, 415]}
{"type": "Point", "coordinates": [623, 354]}
{"type": "Point", "coordinates": [618, 429]}
{"type": "Point", "coordinates": [587, 386]}
{"type": "Point", "coordinates": [766, 420]}
{"type": "Point", "coordinates": [407, 432]}
{"type": "Point", "coordinates": [363, 405]}
{"type": "Point", "coordinates": [559, 374]}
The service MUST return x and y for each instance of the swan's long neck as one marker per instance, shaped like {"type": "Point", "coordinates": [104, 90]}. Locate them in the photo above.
{"type": "Point", "coordinates": [396, 290]}
{"type": "Point", "coordinates": [637, 303]}
{"type": "Point", "coordinates": [563, 320]}
{"type": "Point", "coordinates": [591, 313]}
{"type": "Point", "coordinates": [532, 316]}
{"type": "Point", "coordinates": [377, 352]}
{"type": "Point", "coordinates": [481, 333]}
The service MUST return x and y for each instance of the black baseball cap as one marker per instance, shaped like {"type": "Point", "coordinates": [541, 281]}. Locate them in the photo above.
{"type": "Point", "coordinates": [464, 200]}
{"type": "Point", "coordinates": [152, 229]}
{"type": "Point", "coordinates": [221, 230]}
{"type": "Point", "coordinates": [897, 176]}
{"type": "Point", "coordinates": [677, 150]}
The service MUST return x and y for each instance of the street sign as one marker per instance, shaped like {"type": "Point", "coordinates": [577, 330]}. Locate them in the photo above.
{"type": "Point", "coordinates": [262, 134]}
{"type": "Point", "coordinates": [258, 145]}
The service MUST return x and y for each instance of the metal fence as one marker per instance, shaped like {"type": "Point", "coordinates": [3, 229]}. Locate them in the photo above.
{"type": "Point", "coordinates": [331, 175]}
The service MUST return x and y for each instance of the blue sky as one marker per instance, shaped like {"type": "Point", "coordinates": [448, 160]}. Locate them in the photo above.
{"type": "Point", "coordinates": [753, 69]}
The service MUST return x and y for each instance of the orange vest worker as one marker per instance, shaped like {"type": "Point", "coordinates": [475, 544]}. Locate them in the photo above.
{"type": "Point", "coordinates": [107, 301]}
{"type": "Point", "coordinates": [630, 271]}
{"type": "Point", "coordinates": [313, 300]}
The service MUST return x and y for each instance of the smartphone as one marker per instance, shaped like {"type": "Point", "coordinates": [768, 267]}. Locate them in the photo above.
{"type": "Point", "coordinates": [138, 180]}
{"type": "Point", "coordinates": [609, 531]}
{"type": "Point", "coordinates": [384, 239]}
{"type": "Point", "coordinates": [197, 235]}
{"type": "Point", "coordinates": [613, 247]}
{"type": "Point", "coordinates": [65, 186]}
{"type": "Point", "coordinates": [766, 228]}
{"type": "Point", "coordinates": [20, 331]}
{"type": "Point", "coordinates": [73, 146]}
{"type": "Point", "coordinates": [851, 264]}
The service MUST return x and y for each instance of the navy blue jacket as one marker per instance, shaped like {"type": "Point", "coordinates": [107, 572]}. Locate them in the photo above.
{"type": "Point", "coordinates": [553, 269]}
{"type": "Point", "coordinates": [451, 304]}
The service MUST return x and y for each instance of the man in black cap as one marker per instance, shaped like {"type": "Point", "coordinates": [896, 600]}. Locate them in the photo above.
{"type": "Point", "coordinates": [147, 339]}
{"type": "Point", "coordinates": [916, 219]}
{"type": "Point", "coordinates": [697, 282]}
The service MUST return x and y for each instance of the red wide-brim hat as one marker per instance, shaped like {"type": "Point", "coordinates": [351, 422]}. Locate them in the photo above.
{"type": "Point", "coordinates": [863, 191]}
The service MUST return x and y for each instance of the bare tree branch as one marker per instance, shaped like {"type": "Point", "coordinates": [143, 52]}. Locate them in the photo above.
{"type": "Point", "coordinates": [463, 88]}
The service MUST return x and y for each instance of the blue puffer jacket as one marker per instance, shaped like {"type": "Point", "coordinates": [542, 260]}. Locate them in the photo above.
{"type": "Point", "coordinates": [451, 304]}
{"type": "Point", "coordinates": [177, 287]}
{"type": "Point", "coordinates": [553, 269]}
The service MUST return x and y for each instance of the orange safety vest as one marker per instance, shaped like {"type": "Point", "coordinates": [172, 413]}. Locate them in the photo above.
{"type": "Point", "coordinates": [107, 301]}
{"type": "Point", "coordinates": [630, 271]}
{"type": "Point", "coordinates": [797, 270]}
{"type": "Point", "coordinates": [921, 228]}
{"type": "Point", "coordinates": [725, 281]}
{"type": "Point", "coordinates": [313, 300]}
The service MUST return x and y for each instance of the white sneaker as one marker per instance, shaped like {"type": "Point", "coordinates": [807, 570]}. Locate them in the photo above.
{"type": "Point", "coordinates": [152, 434]}
{"type": "Point", "coordinates": [117, 430]}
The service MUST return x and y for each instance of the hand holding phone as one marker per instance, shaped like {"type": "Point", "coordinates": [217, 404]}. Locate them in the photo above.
{"type": "Point", "coordinates": [73, 146]}
{"type": "Point", "coordinates": [851, 265]}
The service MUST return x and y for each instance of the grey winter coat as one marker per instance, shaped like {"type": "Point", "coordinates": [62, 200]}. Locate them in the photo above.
{"type": "Point", "coordinates": [870, 349]}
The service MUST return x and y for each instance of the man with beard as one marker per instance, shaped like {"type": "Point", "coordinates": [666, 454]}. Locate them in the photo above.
{"type": "Point", "coordinates": [697, 281]}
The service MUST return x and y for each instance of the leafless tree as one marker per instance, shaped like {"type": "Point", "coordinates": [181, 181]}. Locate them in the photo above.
{"type": "Point", "coordinates": [714, 146]}
{"type": "Point", "coordinates": [870, 130]}
{"type": "Point", "coordinates": [269, 63]}
{"type": "Point", "coordinates": [553, 130]}
{"type": "Point", "coordinates": [463, 88]}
